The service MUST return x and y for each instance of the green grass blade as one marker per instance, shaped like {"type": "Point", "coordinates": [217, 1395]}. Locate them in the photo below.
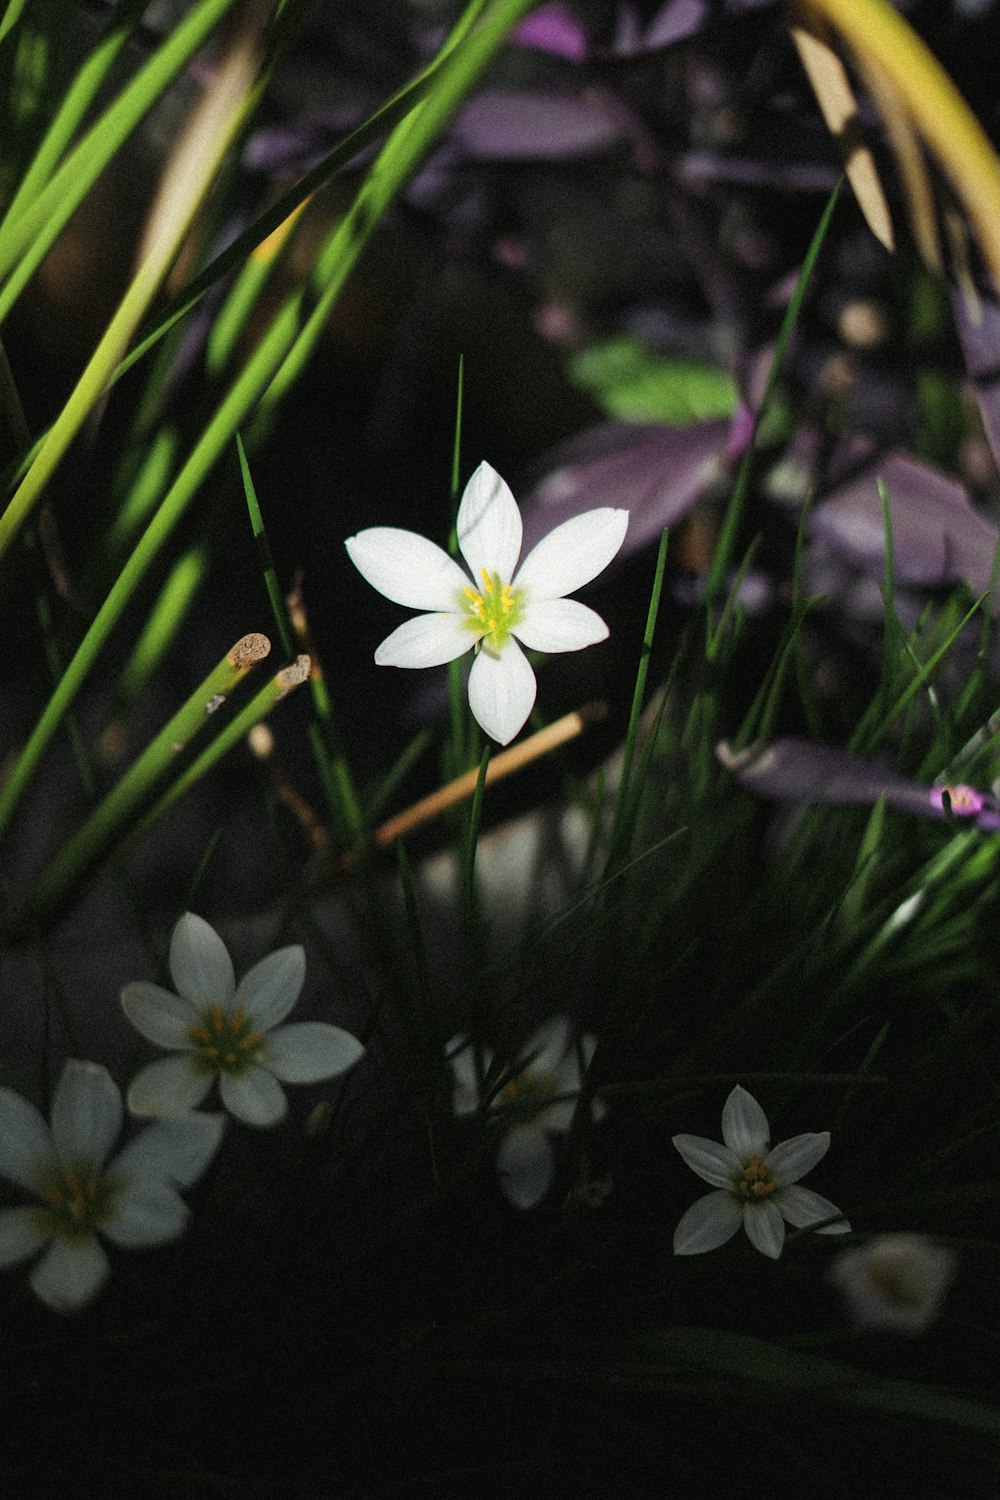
{"type": "Point", "coordinates": [109, 819]}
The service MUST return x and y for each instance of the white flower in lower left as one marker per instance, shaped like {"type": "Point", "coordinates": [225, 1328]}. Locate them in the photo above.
{"type": "Point", "coordinates": [132, 1201]}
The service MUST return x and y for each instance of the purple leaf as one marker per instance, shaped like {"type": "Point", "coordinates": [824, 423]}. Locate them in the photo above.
{"type": "Point", "coordinates": [980, 340]}
{"type": "Point", "coordinates": [656, 473]}
{"type": "Point", "coordinates": [791, 770]}
{"type": "Point", "coordinates": [511, 125]}
{"type": "Point", "coordinates": [552, 29]}
{"type": "Point", "coordinates": [937, 535]}
{"type": "Point", "coordinates": [677, 21]}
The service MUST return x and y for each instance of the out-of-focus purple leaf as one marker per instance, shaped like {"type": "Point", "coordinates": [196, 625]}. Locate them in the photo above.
{"type": "Point", "coordinates": [700, 169]}
{"type": "Point", "coordinates": [552, 29]}
{"type": "Point", "coordinates": [674, 22]}
{"type": "Point", "coordinates": [513, 125]}
{"type": "Point", "coordinates": [937, 535]}
{"type": "Point", "coordinates": [655, 473]}
{"type": "Point", "coordinates": [791, 770]}
{"type": "Point", "coordinates": [980, 340]}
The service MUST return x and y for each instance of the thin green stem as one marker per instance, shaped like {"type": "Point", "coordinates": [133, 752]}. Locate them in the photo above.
{"type": "Point", "coordinates": [108, 820]}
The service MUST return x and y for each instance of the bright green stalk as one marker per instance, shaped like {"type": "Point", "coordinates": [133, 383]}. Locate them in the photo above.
{"type": "Point", "coordinates": [108, 820]}
{"type": "Point", "coordinates": [26, 240]}
{"type": "Point", "coordinates": [395, 164]}
{"type": "Point", "coordinates": [236, 730]}
{"type": "Point", "coordinates": [235, 255]}
{"type": "Point", "coordinates": [278, 610]}
{"type": "Point", "coordinates": [189, 175]}
{"type": "Point", "coordinates": [219, 432]}
{"type": "Point", "coordinates": [164, 621]}
{"type": "Point", "coordinates": [267, 358]}
{"type": "Point", "coordinates": [71, 113]}
{"type": "Point", "coordinates": [11, 16]}
{"type": "Point", "coordinates": [149, 483]}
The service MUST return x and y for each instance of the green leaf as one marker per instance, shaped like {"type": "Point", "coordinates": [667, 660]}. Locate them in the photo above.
{"type": "Point", "coordinates": [635, 385]}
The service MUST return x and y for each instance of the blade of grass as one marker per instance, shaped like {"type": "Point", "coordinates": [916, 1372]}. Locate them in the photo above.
{"type": "Point", "coordinates": [108, 820]}
{"type": "Point", "coordinates": [734, 510]}
{"type": "Point", "coordinates": [616, 841]}
{"type": "Point", "coordinates": [206, 140]}
{"type": "Point", "coordinates": [277, 341]}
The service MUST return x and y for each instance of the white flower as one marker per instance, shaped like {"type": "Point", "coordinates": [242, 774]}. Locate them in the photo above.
{"type": "Point", "coordinates": [227, 1032]}
{"type": "Point", "coordinates": [539, 1100]}
{"type": "Point", "coordinates": [132, 1201]}
{"type": "Point", "coordinates": [896, 1281]}
{"type": "Point", "coordinates": [498, 607]}
{"type": "Point", "coordinates": [757, 1185]}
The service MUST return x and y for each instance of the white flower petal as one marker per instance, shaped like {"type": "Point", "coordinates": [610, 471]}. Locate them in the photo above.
{"type": "Point", "coordinates": [21, 1235]}
{"type": "Point", "coordinates": [270, 989]}
{"type": "Point", "coordinates": [26, 1145]}
{"type": "Point", "coordinates": [254, 1096]}
{"type": "Point", "coordinates": [175, 1149]}
{"type": "Point", "coordinates": [897, 1281]}
{"type": "Point", "coordinates": [86, 1113]}
{"type": "Point", "coordinates": [406, 567]}
{"type": "Point", "coordinates": [525, 1165]}
{"type": "Point", "coordinates": [765, 1227]}
{"type": "Point", "coordinates": [793, 1158]}
{"type": "Point", "coordinates": [310, 1051]}
{"type": "Point", "coordinates": [200, 964]}
{"type": "Point", "coordinates": [547, 1048]}
{"type": "Point", "coordinates": [70, 1273]}
{"type": "Point", "coordinates": [425, 641]}
{"type": "Point", "coordinates": [502, 692]}
{"type": "Point", "coordinates": [744, 1125]}
{"type": "Point", "coordinates": [462, 1057]}
{"type": "Point", "coordinates": [560, 625]}
{"type": "Point", "coordinates": [573, 553]}
{"type": "Point", "coordinates": [713, 1163]}
{"type": "Point", "coordinates": [489, 526]}
{"type": "Point", "coordinates": [707, 1224]}
{"type": "Point", "coordinates": [147, 1213]}
{"type": "Point", "coordinates": [172, 1086]}
{"type": "Point", "coordinates": [802, 1207]}
{"type": "Point", "coordinates": [161, 1017]}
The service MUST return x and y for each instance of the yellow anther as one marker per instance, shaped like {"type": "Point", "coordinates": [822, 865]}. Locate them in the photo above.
{"type": "Point", "coordinates": [757, 1179]}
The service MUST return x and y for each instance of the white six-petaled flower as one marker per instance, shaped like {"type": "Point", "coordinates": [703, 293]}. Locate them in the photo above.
{"type": "Point", "coordinates": [132, 1201]}
{"type": "Point", "coordinates": [896, 1281]}
{"type": "Point", "coordinates": [756, 1184]}
{"type": "Point", "coordinates": [499, 606]}
{"type": "Point", "coordinates": [221, 1030]}
{"type": "Point", "coordinates": [537, 1100]}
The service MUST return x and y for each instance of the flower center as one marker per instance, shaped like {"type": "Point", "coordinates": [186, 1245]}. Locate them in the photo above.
{"type": "Point", "coordinates": [965, 801]}
{"type": "Point", "coordinates": [225, 1043]}
{"type": "Point", "coordinates": [493, 612]}
{"type": "Point", "coordinates": [756, 1180]}
{"type": "Point", "coordinates": [896, 1286]}
{"type": "Point", "coordinates": [79, 1200]}
{"type": "Point", "coordinates": [528, 1094]}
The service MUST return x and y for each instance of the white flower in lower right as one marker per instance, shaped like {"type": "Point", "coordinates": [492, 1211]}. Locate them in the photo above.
{"type": "Point", "coordinates": [896, 1281]}
{"type": "Point", "coordinates": [537, 1101]}
{"type": "Point", "coordinates": [756, 1184]}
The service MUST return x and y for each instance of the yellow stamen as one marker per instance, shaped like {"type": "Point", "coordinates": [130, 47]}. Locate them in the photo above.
{"type": "Point", "coordinates": [757, 1180]}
